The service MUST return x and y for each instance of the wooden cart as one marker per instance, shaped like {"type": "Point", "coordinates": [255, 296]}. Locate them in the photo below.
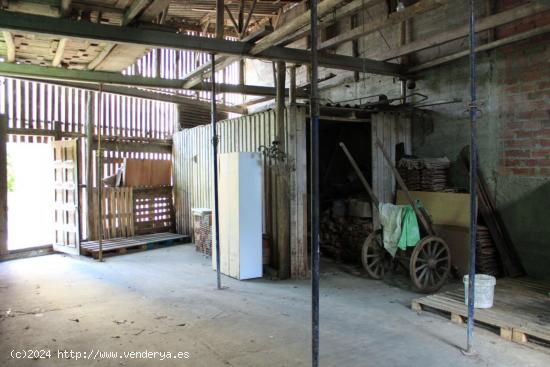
{"type": "Point", "coordinates": [428, 262]}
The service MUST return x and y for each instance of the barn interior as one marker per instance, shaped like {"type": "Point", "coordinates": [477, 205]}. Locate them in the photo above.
{"type": "Point", "coordinates": [274, 182]}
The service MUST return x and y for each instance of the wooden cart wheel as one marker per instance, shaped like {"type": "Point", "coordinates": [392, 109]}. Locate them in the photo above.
{"type": "Point", "coordinates": [373, 256]}
{"type": "Point", "coordinates": [430, 264]}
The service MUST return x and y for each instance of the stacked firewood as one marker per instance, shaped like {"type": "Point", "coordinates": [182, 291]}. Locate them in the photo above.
{"type": "Point", "coordinates": [487, 261]}
{"type": "Point", "coordinates": [342, 237]}
{"type": "Point", "coordinates": [425, 174]}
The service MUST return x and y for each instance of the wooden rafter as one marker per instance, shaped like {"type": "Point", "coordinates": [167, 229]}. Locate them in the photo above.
{"type": "Point", "coordinates": [418, 8]}
{"type": "Point", "coordinates": [292, 26]}
{"type": "Point", "coordinates": [232, 18]}
{"type": "Point", "coordinates": [10, 46]}
{"type": "Point", "coordinates": [482, 24]}
{"type": "Point", "coordinates": [65, 7]}
{"type": "Point", "coordinates": [58, 57]}
{"type": "Point", "coordinates": [148, 10]}
{"type": "Point", "coordinates": [486, 47]}
{"type": "Point", "coordinates": [133, 10]}
{"type": "Point", "coordinates": [248, 18]}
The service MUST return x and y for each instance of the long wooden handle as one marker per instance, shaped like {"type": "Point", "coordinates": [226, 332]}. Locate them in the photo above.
{"type": "Point", "coordinates": [360, 174]}
{"type": "Point", "coordinates": [426, 222]}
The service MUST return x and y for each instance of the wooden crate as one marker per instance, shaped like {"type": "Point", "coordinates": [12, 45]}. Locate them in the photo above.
{"type": "Point", "coordinates": [521, 309]}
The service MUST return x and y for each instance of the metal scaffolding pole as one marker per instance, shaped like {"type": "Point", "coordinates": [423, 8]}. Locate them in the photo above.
{"type": "Point", "coordinates": [314, 131]}
{"type": "Point", "coordinates": [215, 161]}
{"type": "Point", "coordinates": [219, 35]}
{"type": "Point", "coordinates": [473, 179]}
{"type": "Point", "coordinates": [99, 170]}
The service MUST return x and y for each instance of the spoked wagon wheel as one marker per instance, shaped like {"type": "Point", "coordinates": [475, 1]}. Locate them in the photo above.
{"type": "Point", "coordinates": [373, 256]}
{"type": "Point", "coordinates": [430, 264]}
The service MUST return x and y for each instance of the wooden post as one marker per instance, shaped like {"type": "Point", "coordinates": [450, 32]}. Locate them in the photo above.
{"type": "Point", "coordinates": [57, 130]}
{"type": "Point", "coordinates": [89, 164]}
{"type": "Point", "coordinates": [292, 88]}
{"type": "Point", "coordinates": [280, 100]}
{"type": "Point", "coordinates": [3, 188]}
{"type": "Point", "coordinates": [219, 19]}
{"type": "Point", "coordinates": [283, 197]}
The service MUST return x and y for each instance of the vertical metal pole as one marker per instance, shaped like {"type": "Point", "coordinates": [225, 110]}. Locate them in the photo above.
{"type": "Point", "coordinates": [215, 161]}
{"type": "Point", "coordinates": [314, 117]}
{"type": "Point", "coordinates": [89, 162]}
{"type": "Point", "coordinates": [473, 178]}
{"type": "Point", "coordinates": [99, 174]}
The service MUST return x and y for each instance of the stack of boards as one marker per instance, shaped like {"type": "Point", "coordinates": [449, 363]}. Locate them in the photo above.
{"type": "Point", "coordinates": [487, 261]}
{"type": "Point", "coordinates": [425, 174]}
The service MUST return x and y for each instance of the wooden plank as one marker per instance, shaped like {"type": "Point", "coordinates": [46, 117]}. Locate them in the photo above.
{"type": "Point", "coordinates": [10, 46]}
{"type": "Point", "coordinates": [488, 46]}
{"type": "Point", "coordinates": [483, 24]}
{"type": "Point", "coordinates": [409, 12]}
{"type": "Point", "coordinates": [517, 310]}
{"type": "Point", "coordinates": [58, 57]}
{"type": "Point", "coordinates": [323, 8]}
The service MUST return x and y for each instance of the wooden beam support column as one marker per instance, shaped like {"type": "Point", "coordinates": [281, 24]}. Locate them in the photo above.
{"type": "Point", "coordinates": [283, 197]}
{"type": "Point", "coordinates": [241, 17]}
{"type": "Point", "coordinates": [3, 187]}
{"type": "Point", "coordinates": [292, 87]}
{"type": "Point", "coordinates": [219, 19]}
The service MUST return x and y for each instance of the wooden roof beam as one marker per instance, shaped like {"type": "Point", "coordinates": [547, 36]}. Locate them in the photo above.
{"type": "Point", "coordinates": [409, 12]}
{"type": "Point", "coordinates": [331, 18]}
{"type": "Point", "coordinates": [292, 26]}
{"type": "Point", "coordinates": [133, 10]}
{"type": "Point", "coordinates": [482, 24]}
{"type": "Point", "coordinates": [65, 8]}
{"type": "Point", "coordinates": [10, 46]}
{"type": "Point", "coordinates": [58, 57]}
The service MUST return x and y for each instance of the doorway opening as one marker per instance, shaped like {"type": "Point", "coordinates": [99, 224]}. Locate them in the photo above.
{"type": "Point", "coordinates": [30, 195]}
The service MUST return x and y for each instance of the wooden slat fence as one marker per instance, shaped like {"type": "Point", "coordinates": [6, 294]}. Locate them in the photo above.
{"type": "Point", "coordinates": [117, 213]}
{"type": "Point", "coordinates": [34, 109]}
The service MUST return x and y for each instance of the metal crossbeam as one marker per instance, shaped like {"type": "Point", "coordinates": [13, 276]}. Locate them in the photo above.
{"type": "Point", "coordinates": [18, 22]}
{"type": "Point", "coordinates": [109, 78]}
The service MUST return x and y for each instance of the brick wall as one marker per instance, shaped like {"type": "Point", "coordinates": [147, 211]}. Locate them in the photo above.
{"type": "Point", "coordinates": [524, 106]}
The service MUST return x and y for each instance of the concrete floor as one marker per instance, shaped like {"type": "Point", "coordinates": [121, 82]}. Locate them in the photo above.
{"type": "Point", "coordinates": [164, 300]}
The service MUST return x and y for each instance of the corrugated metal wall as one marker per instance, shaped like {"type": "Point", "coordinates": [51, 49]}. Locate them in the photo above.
{"type": "Point", "coordinates": [192, 165]}
{"type": "Point", "coordinates": [192, 159]}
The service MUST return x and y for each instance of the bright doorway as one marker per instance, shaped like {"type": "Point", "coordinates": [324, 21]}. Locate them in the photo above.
{"type": "Point", "coordinates": [30, 195]}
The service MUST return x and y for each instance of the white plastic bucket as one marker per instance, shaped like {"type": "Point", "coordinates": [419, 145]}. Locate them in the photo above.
{"type": "Point", "coordinates": [483, 292]}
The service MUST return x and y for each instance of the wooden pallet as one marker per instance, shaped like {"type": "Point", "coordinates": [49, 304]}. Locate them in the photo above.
{"type": "Point", "coordinates": [139, 243]}
{"type": "Point", "coordinates": [520, 312]}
